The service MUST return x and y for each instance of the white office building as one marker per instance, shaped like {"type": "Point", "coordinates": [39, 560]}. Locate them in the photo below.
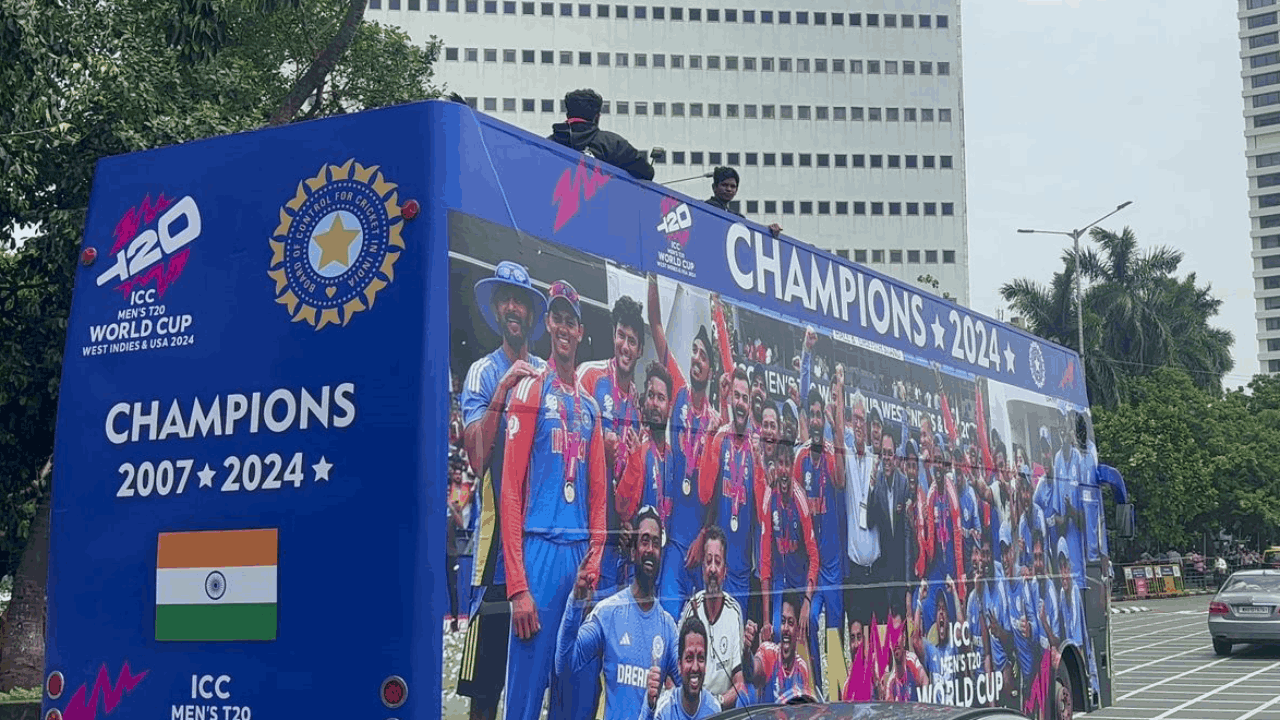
{"type": "Point", "coordinates": [1260, 56]}
{"type": "Point", "coordinates": [844, 119]}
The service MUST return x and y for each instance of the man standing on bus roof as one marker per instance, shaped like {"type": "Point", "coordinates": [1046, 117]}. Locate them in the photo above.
{"type": "Point", "coordinates": [611, 383]}
{"type": "Point", "coordinates": [693, 421]}
{"type": "Point", "coordinates": [627, 633]}
{"type": "Point", "coordinates": [724, 620]}
{"type": "Point", "coordinates": [691, 700]}
{"type": "Point", "coordinates": [724, 186]}
{"type": "Point", "coordinates": [515, 310]}
{"type": "Point", "coordinates": [581, 131]}
{"type": "Point", "coordinates": [553, 491]}
{"type": "Point", "coordinates": [731, 483]}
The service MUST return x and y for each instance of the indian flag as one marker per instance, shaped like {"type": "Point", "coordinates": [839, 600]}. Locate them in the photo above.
{"type": "Point", "coordinates": [218, 585]}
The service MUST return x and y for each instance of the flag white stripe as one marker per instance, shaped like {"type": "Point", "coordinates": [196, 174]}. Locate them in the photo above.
{"type": "Point", "coordinates": [187, 586]}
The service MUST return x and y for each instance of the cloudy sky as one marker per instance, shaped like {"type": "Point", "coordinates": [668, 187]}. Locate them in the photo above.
{"type": "Point", "coordinates": [1075, 106]}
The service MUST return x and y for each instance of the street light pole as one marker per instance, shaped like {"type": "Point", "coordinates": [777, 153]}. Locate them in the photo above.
{"type": "Point", "coordinates": [1075, 243]}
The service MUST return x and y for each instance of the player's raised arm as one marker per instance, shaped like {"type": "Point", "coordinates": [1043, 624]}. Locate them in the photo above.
{"type": "Point", "coordinates": [578, 642]}
{"type": "Point", "coordinates": [597, 512]}
{"type": "Point", "coordinates": [837, 427]}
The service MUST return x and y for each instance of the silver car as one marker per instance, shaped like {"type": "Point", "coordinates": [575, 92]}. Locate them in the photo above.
{"type": "Point", "coordinates": [1246, 610]}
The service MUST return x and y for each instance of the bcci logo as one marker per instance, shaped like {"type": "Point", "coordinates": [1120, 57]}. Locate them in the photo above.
{"type": "Point", "coordinates": [1036, 361]}
{"type": "Point", "coordinates": [336, 245]}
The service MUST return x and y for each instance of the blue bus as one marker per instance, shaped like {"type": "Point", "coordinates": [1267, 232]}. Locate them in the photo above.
{"type": "Point", "coordinates": [693, 462]}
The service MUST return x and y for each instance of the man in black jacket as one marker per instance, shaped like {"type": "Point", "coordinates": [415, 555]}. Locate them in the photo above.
{"type": "Point", "coordinates": [724, 186]}
{"type": "Point", "coordinates": [580, 131]}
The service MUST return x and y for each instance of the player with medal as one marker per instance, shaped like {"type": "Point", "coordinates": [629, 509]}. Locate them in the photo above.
{"type": "Point", "coordinates": [731, 483]}
{"type": "Point", "coordinates": [693, 421]}
{"type": "Point", "coordinates": [553, 489]}
{"type": "Point", "coordinates": [611, 383]}
{"type": "Point", "coordinates": [646, 478]}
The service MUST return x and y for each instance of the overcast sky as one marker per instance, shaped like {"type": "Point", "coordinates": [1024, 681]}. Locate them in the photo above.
{"type": "Point", "coordinates": [1074, 106]}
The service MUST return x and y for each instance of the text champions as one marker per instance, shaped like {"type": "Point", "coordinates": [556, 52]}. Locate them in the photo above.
{"type": "Point", "coordinates": [759, 263]}
{"type": "Point", "coordinates": [275, 411]}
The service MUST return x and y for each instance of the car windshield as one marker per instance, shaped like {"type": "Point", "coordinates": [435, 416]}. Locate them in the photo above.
{"type": "Point", "coordinates": [1271, 556]}
{"type": "Point", "coordinates": [1253, 583]}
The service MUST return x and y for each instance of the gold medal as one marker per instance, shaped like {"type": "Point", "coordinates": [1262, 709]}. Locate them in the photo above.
{"type": "Point", "coordinates": [569, 492]}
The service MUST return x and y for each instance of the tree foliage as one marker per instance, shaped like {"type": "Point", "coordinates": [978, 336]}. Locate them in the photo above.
{"type": "Point", "coordinates": [84, 79]}
{"type": "Point", "coordinates": [1195, 461]}
{"type": "Point", "coordinates": [1138, 315]}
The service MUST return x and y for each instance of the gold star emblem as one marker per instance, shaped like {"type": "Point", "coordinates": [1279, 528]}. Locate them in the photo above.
{"type": "Point", "coordinates": [335, 243]}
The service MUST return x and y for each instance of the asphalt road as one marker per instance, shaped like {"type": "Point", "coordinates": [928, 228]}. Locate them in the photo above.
{"type": "Point", "coordinates": [1165, 669]}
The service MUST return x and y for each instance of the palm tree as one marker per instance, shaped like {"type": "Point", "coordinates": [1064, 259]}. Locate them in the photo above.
{"type": "Point", "coordinates": [1138, 315]}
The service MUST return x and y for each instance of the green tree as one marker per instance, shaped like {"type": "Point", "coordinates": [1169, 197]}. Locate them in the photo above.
{"type": "Point", "coordinates": [1138, 316]}
{"type": "Point", "coordinates": [84, 79]}
{"type": "Point", "coordinates": [1156, 441]}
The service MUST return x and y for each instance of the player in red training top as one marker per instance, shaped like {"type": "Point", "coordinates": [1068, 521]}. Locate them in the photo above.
{"type": "Point", "coordinates": [553, 493]}
{"type": "Point", "coordinates": [777, 670]}
{"type": "Point", "coordinates": [788, 549]}
{"type": "Point", "coordinates": [646, 479]}
{"type": "Point", "coordinates": [611, 383]}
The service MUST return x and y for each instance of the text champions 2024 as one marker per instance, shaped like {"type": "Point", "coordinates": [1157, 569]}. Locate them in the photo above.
{"type": "Point", "coordinates": [276, 411]}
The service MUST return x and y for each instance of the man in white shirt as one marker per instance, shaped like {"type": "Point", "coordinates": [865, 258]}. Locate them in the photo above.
{"type": "Point", "coordinates": [723, 618]}
{"type": "Point", "coordinates": [864, 540]}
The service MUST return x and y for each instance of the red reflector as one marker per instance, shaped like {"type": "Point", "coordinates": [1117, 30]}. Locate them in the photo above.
{"type": "Point", "coordinates": [394, 691]}
{"type": "Point", "coordinates": [1217, 608]}
{"type": "Point", "coordinates": [54, 685]}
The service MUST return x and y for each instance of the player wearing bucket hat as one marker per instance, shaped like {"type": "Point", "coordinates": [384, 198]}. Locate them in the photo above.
{"type": "Point", "coordinates": [509, 294]}
{"type": "Point", "coordinates": [511, 281]}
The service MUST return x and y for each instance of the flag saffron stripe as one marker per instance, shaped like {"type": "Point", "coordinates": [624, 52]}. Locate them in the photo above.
{"type": "Point", "coordinates": [249, 621]}
{"type": "Point", "coordinates": [219, 548]}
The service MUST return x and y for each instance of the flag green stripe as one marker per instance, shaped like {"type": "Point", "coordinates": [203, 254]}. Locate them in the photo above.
{"type": "Point", "coordinates": [244, 621]}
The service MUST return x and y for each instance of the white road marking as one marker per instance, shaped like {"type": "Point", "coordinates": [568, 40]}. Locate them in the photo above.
{"type": "Point", "coordinates": [1153, 662]}
{"type": "Point", "coordinates": [1260, 708]}
{"type": "Point", "coordinates": [1169, 679]}
{"type": "Point", "coordinates": [1215, 691]}
{"type": "Point", "coordinates": [1162, 642]}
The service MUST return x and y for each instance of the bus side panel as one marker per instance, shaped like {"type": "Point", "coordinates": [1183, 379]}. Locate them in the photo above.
{"type": "Point", "coordinates": [963, 546]}
{"type": "Point", "coordinates": [239, 461]}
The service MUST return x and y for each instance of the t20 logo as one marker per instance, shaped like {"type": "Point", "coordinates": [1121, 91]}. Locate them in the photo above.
{"type": "Point", "coordinates": [676, 219]}
{"type": "Point", "coordinates": [157, 253]}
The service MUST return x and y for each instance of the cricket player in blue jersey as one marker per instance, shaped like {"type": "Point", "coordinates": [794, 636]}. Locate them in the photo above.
{"type": "Point", "coordinates": [628, 633]}
{"type": "Point", "coordinates": [647, 478]}
{"type": "Point", "coordinates": [731, 484]}
{"type": "Point", "coordinates": [693, 421]}
{"type": "Point", "coordinates": [515, 311]}
{"type": "Point", "coordinates": [819, 470]}
{"type": "Point", "coordinates": [611, 383]}
{"type": "Point", "coordinates": [690, 700]}
{"type": "Point", "coordinates": [1071, 608]}
{"type": "Point", "coordinates": [788, 550]}
{"type": "Point", "coordinates": [553, 502]}
{"type": "Point", "coordinates": [941, 659]}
